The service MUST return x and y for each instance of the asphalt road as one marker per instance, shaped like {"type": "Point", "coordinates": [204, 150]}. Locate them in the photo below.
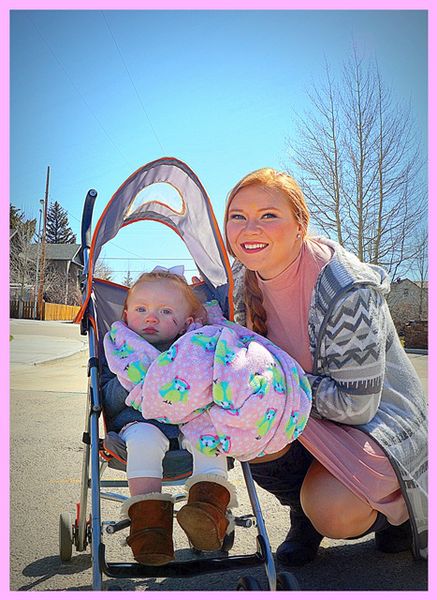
{"type": "Point", "coordinates": [47, 415]}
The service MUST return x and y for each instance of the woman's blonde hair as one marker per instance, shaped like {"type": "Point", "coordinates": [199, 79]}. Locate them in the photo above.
{"type": "Point", "coordinates": [198, 311]}
{"type": "Point", "coordinates": [268, 179]}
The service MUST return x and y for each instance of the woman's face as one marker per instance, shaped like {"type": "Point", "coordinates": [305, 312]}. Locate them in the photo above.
{"type": "Point", "coordinates": [262, 230]}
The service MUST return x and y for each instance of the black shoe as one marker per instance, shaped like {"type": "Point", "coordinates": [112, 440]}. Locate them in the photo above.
{"type": "Point", "coordinates": [302, 542]}
{"type": "Point", "coordinates": [394, 538]}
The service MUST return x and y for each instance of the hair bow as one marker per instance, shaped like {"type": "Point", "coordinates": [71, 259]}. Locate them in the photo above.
{"type": "Point", "coordinates": [177, 270]}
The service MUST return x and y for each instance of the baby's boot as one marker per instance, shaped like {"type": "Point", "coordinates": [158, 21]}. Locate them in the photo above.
{"type": "Point", "coordinates": [151, 528]}
{"type": "Point", "coordinates": [204, 518]}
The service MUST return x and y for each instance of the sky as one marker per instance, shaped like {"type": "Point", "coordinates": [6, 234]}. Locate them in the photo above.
{"type": "Point", "coordinates": [96, 94]}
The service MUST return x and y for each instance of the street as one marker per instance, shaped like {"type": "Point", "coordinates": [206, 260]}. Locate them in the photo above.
{"type": "Point", "coordinates": [47, 416]}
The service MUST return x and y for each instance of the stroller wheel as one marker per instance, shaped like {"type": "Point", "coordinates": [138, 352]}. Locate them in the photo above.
{"type": "Point", "coordinates": [228, 541]}
{"type": "Point", "coordinates": [248, 584]}
{"type": "Point", "coordinates": [287, 582]}
{"type": "Point", "coordinates": [65, 537]}
{"type": "Point", "coordinates": [113, 587]}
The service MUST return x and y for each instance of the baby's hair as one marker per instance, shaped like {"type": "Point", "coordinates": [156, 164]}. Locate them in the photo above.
{"type": "Point", "coordinates": [198, 311]}
{"type": "Point", "coordinates": [268, 179]}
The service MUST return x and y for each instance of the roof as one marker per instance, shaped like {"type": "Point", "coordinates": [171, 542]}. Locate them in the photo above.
{"type": "Point", "coordinates": [409, 281]}
{"type": "Point", "coordinates": [424, 284]}
{"type": "Point", "coordinates": [58, 251]}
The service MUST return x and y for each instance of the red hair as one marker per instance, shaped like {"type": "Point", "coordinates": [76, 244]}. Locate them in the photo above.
{"type": "Point", "coordinates": [269, 179]}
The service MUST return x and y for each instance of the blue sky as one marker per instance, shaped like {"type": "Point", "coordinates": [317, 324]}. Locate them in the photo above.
{"type": "Point", "coordinates": [95, 95]}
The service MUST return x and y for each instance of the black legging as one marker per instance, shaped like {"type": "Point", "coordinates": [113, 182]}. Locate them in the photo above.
{"type": "Point", "coordinates": [283, 477]}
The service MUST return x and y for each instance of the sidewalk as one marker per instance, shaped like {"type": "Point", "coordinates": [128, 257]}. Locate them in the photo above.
{"type": "Point", "coordinates": [35, 342]}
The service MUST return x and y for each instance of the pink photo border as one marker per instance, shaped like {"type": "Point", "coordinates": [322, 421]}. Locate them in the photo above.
{"type": "Point", "coordinates": [7, 6]}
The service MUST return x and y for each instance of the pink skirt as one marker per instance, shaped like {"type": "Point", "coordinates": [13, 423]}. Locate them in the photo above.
{"type": "Point", "coordinates": [359, 463]}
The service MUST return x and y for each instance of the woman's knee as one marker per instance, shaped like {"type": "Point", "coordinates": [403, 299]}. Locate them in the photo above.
{"type": "Point", "coordinates": [331, 507]}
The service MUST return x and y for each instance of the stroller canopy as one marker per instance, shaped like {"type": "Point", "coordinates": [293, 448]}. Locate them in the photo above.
{"type": "Point", "coordinates": [195, 223]}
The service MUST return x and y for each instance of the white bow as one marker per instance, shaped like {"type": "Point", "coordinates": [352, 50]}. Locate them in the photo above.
{"type": "Point", "coordinates": [177, 270]}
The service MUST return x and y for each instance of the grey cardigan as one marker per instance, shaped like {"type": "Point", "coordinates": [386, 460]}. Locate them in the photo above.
{"type": "Point", "coordinates": [361, 375]}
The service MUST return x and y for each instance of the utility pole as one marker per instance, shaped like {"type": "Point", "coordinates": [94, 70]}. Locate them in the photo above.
{"type": "Point", "coordinates": [35, 305]}
{"type": "Point", "coordinates": [43, 250]}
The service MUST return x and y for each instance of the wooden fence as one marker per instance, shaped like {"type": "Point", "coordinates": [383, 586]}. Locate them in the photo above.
{"type": "Point", "coordinates": [22, 310]}
{"type": "Point", "coordinates": [59, 312]}
{"type": "Point", "coordinates": [51, 312]}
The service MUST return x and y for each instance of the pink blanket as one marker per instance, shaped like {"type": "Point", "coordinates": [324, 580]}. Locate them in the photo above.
{"type": "Point", "coordinates": [230, 390]}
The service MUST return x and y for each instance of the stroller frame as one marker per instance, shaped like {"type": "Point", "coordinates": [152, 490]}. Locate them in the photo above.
{"type": "Point", "coordinates": [83, 531]}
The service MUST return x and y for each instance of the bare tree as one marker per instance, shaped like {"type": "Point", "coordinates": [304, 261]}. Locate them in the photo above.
{"type": "Point", "coordinates": [420, 270]}
{"type": "Point", "coordinates": [319, 157]}
{"type": "Point", "coordinates": [61, 288]}
{"type": "Point", "coordinates": [103, 270]}
{"type": "Point", "coordinates": [22, 259]}
{"type": "Point", "coordinates": [361, 168]}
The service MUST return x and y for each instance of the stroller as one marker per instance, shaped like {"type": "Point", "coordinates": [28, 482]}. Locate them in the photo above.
{"type": "Point", "coordinates": [102, 304]}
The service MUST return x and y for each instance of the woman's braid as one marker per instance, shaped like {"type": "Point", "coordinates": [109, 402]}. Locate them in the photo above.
{"type": "Point", "coordinates": [253, 299]}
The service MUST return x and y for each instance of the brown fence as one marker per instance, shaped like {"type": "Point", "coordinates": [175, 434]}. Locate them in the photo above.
{"type": "Point", "coordinates": [51, 312]}
{"type": "Point", "coordinates": [416, 335]}
{"type": "Point", "coordinates": [22, 310]}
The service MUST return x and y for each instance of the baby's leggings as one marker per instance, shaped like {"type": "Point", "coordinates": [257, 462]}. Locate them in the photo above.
{"type": "Point", "coordinates": [147, 445]}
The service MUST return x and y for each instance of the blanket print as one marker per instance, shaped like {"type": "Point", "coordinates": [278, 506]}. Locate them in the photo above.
{"type": "Point", "coordinates": [230, 390]}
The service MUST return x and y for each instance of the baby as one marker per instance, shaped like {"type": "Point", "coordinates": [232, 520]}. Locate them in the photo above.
{"type": "Point", "coordinates": [160, 307]}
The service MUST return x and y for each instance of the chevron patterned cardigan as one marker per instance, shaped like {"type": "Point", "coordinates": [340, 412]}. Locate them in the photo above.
{"type": "Point", "coordinates": [361, 375]}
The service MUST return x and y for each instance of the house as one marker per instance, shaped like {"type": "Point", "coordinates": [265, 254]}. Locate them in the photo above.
{"type": "Point", "coordinates": [408, 300]}
{"type": "Point", "coordinates": [62, 275]}
{"type": "Point", "coordinates": [61, 282]}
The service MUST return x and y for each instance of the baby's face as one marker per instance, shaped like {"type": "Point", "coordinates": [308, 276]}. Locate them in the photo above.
{"type": "Point", "coordinates": [158, 312]}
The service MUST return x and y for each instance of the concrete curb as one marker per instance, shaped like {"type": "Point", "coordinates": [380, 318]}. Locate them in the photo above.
{"type": "Point", "coordinates": [60, 358]}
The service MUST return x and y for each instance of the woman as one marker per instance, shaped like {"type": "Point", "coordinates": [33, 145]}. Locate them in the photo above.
{"type": "Point", "coordinates": [361, 463]}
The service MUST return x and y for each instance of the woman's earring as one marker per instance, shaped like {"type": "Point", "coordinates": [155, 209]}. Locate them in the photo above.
{"type": "Point", "coordinates": [298, 236]}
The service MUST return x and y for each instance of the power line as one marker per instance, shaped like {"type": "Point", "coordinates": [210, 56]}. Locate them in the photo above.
{"type": "Point", "coordinates": [145, 258]}
{"type": "Point", "coordinates": [132, 82]}
{"type": "Point", "coordinates": [138, 257]}
{"type": "Point", "coordinates": [77, 89]}
{"type": "Point", "coordinates": [134, 256]}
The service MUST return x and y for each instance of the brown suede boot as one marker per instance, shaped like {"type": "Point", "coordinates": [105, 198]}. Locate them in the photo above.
{"type": "Point", "coordinates": [151, 529]}
{"type": "Point", "coordinates": [204, 518]}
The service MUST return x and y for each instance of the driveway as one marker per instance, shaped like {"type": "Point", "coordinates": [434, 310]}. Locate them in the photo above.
{"type": "Point", "coordinates": [47, 415]}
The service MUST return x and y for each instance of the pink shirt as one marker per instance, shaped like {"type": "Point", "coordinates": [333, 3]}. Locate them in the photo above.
{"type": "Point", "coordinates": [287, 299]}
{"type": "Point", "coordinates": [346, 452]}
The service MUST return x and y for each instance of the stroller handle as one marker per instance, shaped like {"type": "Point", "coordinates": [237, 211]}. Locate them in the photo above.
{"type": "Point", "coordinates": [87, 218]}
{"type": "Point", "coordinates": [85, 229]}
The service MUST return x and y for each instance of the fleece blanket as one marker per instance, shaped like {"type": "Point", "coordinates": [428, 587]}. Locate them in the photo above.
{"type": "Point", "coordinates": [230, 390]}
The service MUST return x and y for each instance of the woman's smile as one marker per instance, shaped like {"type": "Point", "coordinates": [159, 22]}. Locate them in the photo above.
{"type": "Point", "coordinates": [262, 231]}
{"type": "Point", "coordinates": [252, 247]}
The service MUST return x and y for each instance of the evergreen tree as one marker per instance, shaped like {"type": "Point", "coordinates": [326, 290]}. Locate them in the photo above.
{"type": "Point", "coordinates": [128, 279]}
{"type": "Point", "coordinates": [18, 221]}
{"type": "Point", "coordinates": [58, 230]}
